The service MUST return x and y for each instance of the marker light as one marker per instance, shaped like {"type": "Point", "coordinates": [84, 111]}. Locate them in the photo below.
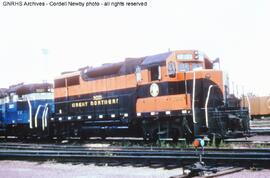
{"type": "Point", "coordinates": [202, 142]}
{"type": "Point", "coordinates": [198, 143]}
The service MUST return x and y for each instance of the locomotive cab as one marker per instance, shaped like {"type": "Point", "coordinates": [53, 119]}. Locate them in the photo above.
{"type": "Point", "coordinates": [205, 85]}
{"type": "Point", "coordinates": [186, 97]}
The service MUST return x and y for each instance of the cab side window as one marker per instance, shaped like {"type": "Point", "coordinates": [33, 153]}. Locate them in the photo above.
{"type": "Point", "coordinates": [183, 67]}
{"type": "Point", "coordinates": [171, 69]}
{"type": "Point", "coordinates": [155, 73]}
{"type": "Point", "coordinates": [138, 74]}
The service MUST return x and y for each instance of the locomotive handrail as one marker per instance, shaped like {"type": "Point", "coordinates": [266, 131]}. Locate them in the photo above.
{"type": "Point", "coordinates": [46, 114]}
{"type": "Point", "coordinates": [249, 107]}
{"type": "Point", "coordinates": [43, 116]}
{"type": "Point", "coordinates": [36, 115]}
{"type": "Point", "coordinates": [193, 98]}
{"type": "Point", "coordinates": [30, 113]}
{"type": "Point", "coordinates": [206, 105]}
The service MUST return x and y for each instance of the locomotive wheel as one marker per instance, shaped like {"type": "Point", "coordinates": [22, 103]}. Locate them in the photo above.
{"type": "Point", "coordinates": [83, 137]}
{"type": "Point", "coordinates": [150, 133]}
{"type": "Point", "coordinates": [215, 139]}
{"type": "Point", "coordinates": [154, 136]}
{"type": "Point", "coordinates": [150, 136]}
{"type": "Point", "coordinates": [177, 132]}
{"type": "Point", "coordinates": [146, 136]}
{"type": "Point", "coordinates": [175, 136]}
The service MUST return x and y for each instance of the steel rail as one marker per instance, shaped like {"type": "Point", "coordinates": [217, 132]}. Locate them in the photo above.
{"type": "Point", "coordinates": [228, 156]}
{"type": "Point", "coordinates": [122, 148]}
{"type": "Point", "coordinates": [151, 153]}
{"type": "Point", "coordinates": [166, 155]}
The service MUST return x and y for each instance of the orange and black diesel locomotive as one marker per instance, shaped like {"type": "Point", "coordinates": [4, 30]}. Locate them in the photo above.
{"type": "Point", "coordinates": [173, 94]}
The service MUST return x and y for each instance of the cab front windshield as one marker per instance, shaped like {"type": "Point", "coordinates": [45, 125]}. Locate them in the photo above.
{"type": "Point", "coordinates": [189, 66]}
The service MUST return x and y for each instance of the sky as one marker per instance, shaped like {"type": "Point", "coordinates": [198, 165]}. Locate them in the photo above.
{"type": "Point", "coordinates": [38, 43]}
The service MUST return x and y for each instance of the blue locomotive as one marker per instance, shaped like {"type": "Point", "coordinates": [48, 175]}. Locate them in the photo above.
{"type": "Point", "coordinates": [25, 109]}
{"type": "Point", "coordinates": [2, 108]}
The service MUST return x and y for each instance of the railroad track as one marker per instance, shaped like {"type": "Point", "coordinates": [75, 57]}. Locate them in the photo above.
{"type": "Point", "coordinates": [260, 131]}
{"type": "Point", "coordinates": [159, 155]}
{"type": "Point", "coordinates": [260, 126]}
{"type": "Point", "coordinates": [118, 144]}
{"type": "Point", "coordinates": [85, 147]}
{"type": "Point", "coordinates": [247, 143]}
